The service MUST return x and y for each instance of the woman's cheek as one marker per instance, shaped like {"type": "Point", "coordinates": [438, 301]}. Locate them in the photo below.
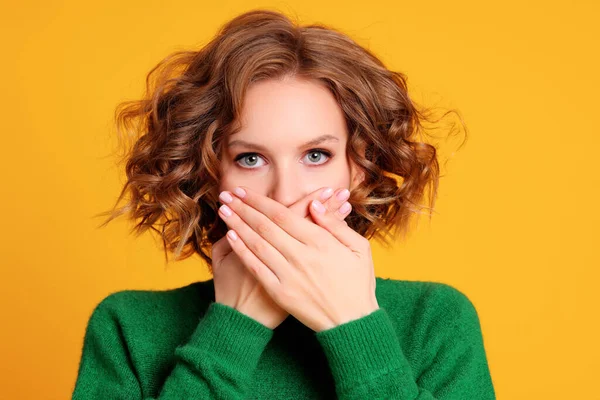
{"type": "Point", "coordinates": [341, 179]}
{"type": "Point", "coordinates": [230, 178]}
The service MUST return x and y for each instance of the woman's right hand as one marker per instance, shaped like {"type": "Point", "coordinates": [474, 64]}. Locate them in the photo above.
{"type": "Point", "coordinates": [237, 288]}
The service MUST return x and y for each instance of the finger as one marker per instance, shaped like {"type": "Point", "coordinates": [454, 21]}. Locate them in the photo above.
{"type": "Point", "coordinates": [220, 249]}
{"type": "Point", "coordinates": [339, 229]}
{"type": "Point", "coordinates": [336, 201]}
{"type": "Point", "coordinates": [300, 207]}
{"type": "Point", "coordinates": [329, 200]}
{"type": "Point", "coordinates": [266, 252]}
{"type": "Point", "coordinates": [272, 220]}
{"type": "Point", "coordinates": [257, 268]}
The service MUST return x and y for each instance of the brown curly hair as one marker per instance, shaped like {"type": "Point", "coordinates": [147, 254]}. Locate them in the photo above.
{"type": "Point", "coordinates": [172, 137]}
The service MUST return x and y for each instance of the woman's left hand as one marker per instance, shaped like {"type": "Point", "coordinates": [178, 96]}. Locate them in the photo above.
{"type": "Point", "coordinates": [322, 273]}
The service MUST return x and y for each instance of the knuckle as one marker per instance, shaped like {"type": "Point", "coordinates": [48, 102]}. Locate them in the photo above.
{"type": "Point", "coordinates": [263, 228]}
{"type": "Point", "coordinates": [320, 243]}
{"type": "Point", "coordinates": [280, 217]}
{"type": "Point", "coordinates": [295, 258]}
{"type": "Point", "coordinates": [258, 247]}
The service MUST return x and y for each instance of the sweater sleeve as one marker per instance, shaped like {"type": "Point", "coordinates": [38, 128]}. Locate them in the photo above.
{"type": "Point", "coordinates": [216, 362]}
{"type": "Point", "coordinates": [367, 359]}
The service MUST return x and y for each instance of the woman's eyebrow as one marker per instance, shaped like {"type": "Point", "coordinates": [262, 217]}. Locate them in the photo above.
{"type": "Point", "coordinates": [312, 142]}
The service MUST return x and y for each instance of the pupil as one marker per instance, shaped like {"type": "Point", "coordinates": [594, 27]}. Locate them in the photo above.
{"type": "Point", "coordinates": [252, 157]}
{"type": "Point", "coordinates": [318, 156]}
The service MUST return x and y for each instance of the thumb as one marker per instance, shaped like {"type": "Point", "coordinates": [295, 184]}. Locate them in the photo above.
{"type": "Point", "coordinates": [220, 249]}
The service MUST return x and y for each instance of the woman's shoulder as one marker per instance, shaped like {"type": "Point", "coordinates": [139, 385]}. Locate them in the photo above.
{"type": "Point", "coordinates": [417, 289]}
{"type": "Point", "coordinates": [190, 299]}
{"type": "Point", "coordinates": [424, 301]}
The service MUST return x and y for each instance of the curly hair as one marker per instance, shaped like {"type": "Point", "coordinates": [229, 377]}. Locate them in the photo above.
{"type": "Point", "coordinates": [172, 137]}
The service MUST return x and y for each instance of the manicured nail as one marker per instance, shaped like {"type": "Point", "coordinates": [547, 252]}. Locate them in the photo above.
{"type": "Point", "coordinates": [345, 208]}
{"type": "Point", "coordinates": [316, 204]}
{"type": "Point", "coordinates": [239, 192]}
{"type": "Point", "coordinates": [226, 210]}
{"type": "Point", "coordinates": [343, 195]}
{"type": "Point", "coordinates": [225, 197]}
{"type": "Point", "coordinates": [232, 235]}
{"type": "Point", "coordinates": [326, 193]}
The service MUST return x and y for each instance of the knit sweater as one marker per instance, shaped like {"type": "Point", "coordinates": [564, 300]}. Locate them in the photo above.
{"type": "Point", "coordinates": [423, 343]}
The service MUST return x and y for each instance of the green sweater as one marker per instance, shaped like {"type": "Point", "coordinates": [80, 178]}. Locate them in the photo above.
{"type": "Point", "coordinates": [423, 343]}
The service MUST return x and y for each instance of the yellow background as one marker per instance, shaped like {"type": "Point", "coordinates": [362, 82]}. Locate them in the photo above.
{"type": "Point", "coordinates": [516, 223]}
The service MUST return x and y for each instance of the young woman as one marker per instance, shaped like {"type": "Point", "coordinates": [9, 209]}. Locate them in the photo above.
{"type": "Point", "coordinates": [274, 153]}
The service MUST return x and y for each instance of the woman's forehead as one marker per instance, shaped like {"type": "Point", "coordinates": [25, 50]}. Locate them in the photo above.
{"type": "Point", "coordinates": [299, 111]}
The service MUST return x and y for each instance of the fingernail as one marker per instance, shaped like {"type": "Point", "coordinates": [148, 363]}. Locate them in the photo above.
{"type": "Point", "coordinates": [226, 210]}
{"type": "Point", "coordinates": [316, 204]}
{"type": "Point", "coordinates": [343, 195]}
{"type": "Point", "coordinates": [345, 208]}
{"type": "Point", "coordinates": [239, 192]}
{"type": "Point", "coordinates": [232, 235]}
{"type": "Point", "coordinates": [326, 193]}
{"type": "Point", "coordinates": [225, 197]}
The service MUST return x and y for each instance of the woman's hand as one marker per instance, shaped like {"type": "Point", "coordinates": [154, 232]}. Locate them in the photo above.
{"type": "Point", "coordinates": [236, 287]}
{"type": "Point", "coordinates": [321, 273]}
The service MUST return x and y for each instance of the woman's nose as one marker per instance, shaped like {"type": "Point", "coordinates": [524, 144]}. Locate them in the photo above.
{"type": "Point", "coordinates": [286, 189]}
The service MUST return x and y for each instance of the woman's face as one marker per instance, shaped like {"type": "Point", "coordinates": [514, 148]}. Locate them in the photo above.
{"type": "Point", "coordinates": [272, 155]}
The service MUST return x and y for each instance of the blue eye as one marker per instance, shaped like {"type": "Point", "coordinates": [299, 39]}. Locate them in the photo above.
{"type": "Point", "coordinates": [248, 156]}
{"type": "Point", "coordinates": [253, 158]}
{"type": "Point", "coordinates": [319, 154]}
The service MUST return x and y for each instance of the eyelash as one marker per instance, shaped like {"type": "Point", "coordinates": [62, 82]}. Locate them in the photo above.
{"type": "Point", "coordinates": [328, 154]}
